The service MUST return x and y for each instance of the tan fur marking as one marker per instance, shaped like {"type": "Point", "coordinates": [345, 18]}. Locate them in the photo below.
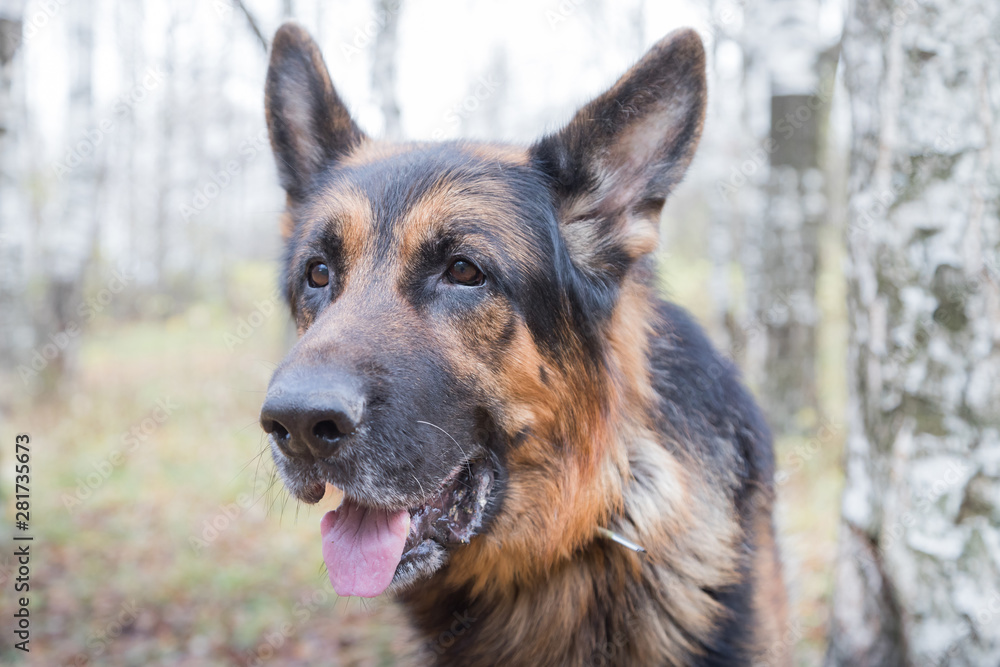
{"type": "Point", "coordinates": [287, 225]}
{"type": "Point", "coordinates": [350, 211]}
{"type": "Point", "coordinates": [370, 151]}
{"type": "Point", "coordinates": [450, 200]}
{"type": "Point", "coordinates": [500, 153]}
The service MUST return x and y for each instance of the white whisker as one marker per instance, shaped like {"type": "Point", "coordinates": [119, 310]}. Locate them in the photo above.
{"type": "Point", "coordinates": [468, 463]}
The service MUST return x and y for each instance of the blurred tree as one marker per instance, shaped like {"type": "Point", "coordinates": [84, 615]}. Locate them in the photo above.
{"type": "Point", "coordinates": [166, 151]}
{"type": "Point", "coordinates": [918, 569]}
{"type": "Point", "coordinates": [129, 19]}
{"type": "Point", "coordinates": [384, 65]}
{"type": "Point", "coordinates": [793, 76]}
{"type": "Point", "coordinates": [488, 95]}
{"type": "Point", "coordinates": [252, 23]}
{"type": "Point", "coordinates": [70, 238]}
{"type": "Point", "coordinates": [728, 139]}
{"type": "Point", "coordinates": [319, 20]}
{"type": "Point", "coordinates": [15, 326]}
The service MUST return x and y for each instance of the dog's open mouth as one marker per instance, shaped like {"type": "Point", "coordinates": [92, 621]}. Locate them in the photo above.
{"type": "Point", "coordinates": [366, 548]}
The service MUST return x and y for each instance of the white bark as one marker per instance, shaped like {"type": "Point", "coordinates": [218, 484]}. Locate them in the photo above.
{"type": "Point", "coordinates": [165, 211]}
{"type": "Point", "coordinates": [918, 578]}
{"type": "Point", "coordinates": [726, 141]}
{"type": "Point", "coordinates": [70, 238]}
{"type": "Point", "coordinates": [129, 21]}
{"type": "Point", "coordinates": [384, 66]}
{"type": "Point", "coordinates": [787, 60]}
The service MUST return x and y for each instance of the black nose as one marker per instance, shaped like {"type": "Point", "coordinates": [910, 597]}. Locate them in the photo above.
{"type": "Point", "coordinates": [310, 413]}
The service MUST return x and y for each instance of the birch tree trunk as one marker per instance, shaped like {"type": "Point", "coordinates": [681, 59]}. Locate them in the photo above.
{"type": "Point", "coordinates": [918, 575]}
{"type": "Point", "coordinates": [69, 241]}
{"type": "Point", "coordinates": [384, 66]}
{"type": "Point", "coordinates": [129, 23]}
{"type": "Point", "coordinates": [748, 196]}
{"type": "Point", "coordinates": [728, 140]}
{"type": "Point", "coordinates": [166, 158]}
{"type": "Point", "coordinates": [784, 308]}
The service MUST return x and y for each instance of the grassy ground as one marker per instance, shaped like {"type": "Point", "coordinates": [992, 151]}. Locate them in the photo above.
{"type": "Point", "coordinates": [161, 540]}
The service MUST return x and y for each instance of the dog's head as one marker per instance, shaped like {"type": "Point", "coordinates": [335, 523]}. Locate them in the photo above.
{"type": "Point", "coordinates": [453, 302]}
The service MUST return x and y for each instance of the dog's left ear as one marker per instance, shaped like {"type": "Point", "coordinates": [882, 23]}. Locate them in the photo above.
{"type": "Point", "coordinates": [614, 164]}
{"type": "Point", "coordinates": [309, 125]}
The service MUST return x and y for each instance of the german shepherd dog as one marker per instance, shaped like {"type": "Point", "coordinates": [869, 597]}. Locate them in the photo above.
{"type": "Point", "coordinates": [486, 371]}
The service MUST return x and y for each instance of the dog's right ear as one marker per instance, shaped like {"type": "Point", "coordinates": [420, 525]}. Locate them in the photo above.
{"type": "Point", "coordinates": [308, 123]}
{"type": "Point", "coordinates": [613, 166]}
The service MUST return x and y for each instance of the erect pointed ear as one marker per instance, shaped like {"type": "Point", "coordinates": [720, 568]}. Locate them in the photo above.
{"type": "Point", "coordinates": [308, 123]}
{"type": "Point", "coordinates": [614, 164]}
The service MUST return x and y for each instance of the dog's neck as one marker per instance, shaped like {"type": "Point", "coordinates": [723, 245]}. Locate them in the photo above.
{"type": "Point", "coordinates": [604, 604]}
{"type": "Point", "coordinates": [541, 623]}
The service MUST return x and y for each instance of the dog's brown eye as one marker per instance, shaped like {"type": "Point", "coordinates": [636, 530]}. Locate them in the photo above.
{"type": "Point", "coordinates": [318, 275]}
{"type": "Point", "coordinates": [464, 272]}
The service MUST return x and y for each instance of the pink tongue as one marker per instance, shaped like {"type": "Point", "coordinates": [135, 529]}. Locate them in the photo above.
{"type": "Point", "coordinates": [362, 547]}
